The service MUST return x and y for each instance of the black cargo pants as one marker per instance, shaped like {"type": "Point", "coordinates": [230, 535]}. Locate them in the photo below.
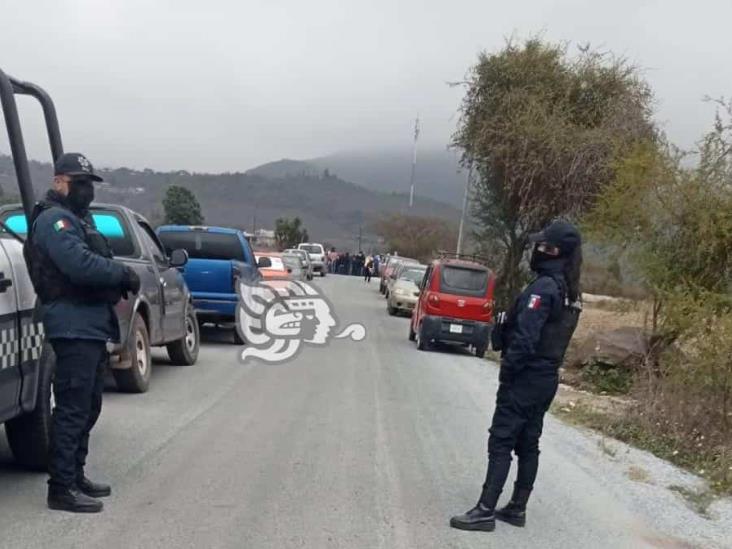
{"type": "Point", "coordinates": [516, 427]}
{"type": "Point", "coordinates": [77, 387]}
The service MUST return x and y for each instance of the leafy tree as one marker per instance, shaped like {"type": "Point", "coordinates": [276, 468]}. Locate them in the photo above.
{"type": "Point", "coordinates": [289, 232]}
{"type": "Point", "coordinates": [541, 131]}
{"type": "Point", "coordinates": [673, 220]}
{"type": "Point", "coordinates": [181, 207]}
{"type": "Point", "coordinates": [417, 237]}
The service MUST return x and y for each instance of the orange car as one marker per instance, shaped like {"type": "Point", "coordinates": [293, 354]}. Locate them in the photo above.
{"type": "Point", "coordinates": [272, 266]}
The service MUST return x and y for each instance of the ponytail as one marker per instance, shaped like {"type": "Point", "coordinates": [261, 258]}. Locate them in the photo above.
{"type": "Point", "coordinates": [572, 270]}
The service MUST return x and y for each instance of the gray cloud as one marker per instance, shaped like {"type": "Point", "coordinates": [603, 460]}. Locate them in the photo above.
{"type": "Point", "coordinates": [224, 85]}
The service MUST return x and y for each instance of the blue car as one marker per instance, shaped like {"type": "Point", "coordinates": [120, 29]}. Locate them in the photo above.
{"type": "Point", "coordinates": [218, 258]}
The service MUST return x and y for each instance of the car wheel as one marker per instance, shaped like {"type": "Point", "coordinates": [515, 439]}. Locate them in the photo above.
{"type": "Point", "coordinates": [238, 340]}
{"type": "Point", "coordinates": [422, 343]}
{"type": "Point", "coordinates": [136, 378]}
{"type": "Point", "coordinates": [412, 335]}
{"type": "Point", "coordinates": [480, 350]}
{"type": "Point", "coordinates": [29, 435]}
{"type": "Point", "coordinates": [184, 351]}
{"type": "Point", "coordinates": [391, 310]}
{"type": "Point", "coordinates": [322, 274]}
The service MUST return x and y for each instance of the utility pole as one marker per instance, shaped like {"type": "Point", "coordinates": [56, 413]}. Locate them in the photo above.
{"type": "Point", "coordinates": [465, 207]}
{"type": "Point", "coordinates": [414, 162]}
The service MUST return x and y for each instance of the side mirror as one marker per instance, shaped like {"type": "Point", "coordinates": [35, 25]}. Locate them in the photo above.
{"type": "Point", "coordinates": [264, 262]}
{"type": "Point", "coordinates": [178, 258]}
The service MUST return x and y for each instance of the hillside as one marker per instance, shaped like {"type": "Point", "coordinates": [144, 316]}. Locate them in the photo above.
{"type": "Point", "coordinates": [331, 209]}
{"type": "Point", "coordinates": [437, 176]}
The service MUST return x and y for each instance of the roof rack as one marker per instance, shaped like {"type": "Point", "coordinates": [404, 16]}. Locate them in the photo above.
{"type": "Point", "coordinates": [443, 254]}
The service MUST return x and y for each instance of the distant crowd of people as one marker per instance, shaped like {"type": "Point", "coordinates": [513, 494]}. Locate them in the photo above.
{"type": "Point", "coordinates": [357, 264]}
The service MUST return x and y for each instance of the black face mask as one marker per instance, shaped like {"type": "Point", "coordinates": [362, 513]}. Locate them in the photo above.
{"type": "Point", "coordinates": [538, 257]}
{"type": "Point", "coordinates": [81, 195]}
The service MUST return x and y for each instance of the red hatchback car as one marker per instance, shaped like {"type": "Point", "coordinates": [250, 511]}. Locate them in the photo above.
{"type": "Point", "coordinates": [455, 305]}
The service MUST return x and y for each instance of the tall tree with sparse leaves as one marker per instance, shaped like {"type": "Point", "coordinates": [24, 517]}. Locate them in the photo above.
{"type": "Point", "coordinates": [181, 207]}
{"type": "Point", "coordinates": [542, 130]}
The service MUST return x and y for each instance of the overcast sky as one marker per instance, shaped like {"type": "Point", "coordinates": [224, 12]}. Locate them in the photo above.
{"type": "Point", "coordinates": [223, 85]}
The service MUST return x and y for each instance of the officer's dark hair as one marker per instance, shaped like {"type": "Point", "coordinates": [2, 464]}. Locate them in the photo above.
{"type": "Point", "coordinates": [572, 270]}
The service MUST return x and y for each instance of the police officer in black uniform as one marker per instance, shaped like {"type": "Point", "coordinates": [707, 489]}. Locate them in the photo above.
{"type": "Point", "coordinates": [532, 341]}
{"type": "Point", "coordinates": [78, 284]}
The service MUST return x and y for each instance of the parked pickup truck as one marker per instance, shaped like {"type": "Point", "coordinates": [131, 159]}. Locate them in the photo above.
{"type": "Point", "coordinates": [26, 359]}
{"type": "Point", "coordinates": [161, 314]}
{"type": "Point", "coordinates": [218, 258]}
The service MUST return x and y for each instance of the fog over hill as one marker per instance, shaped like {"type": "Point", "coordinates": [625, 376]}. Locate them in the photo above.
{"type": "Point", "coordinates": [332, 209]}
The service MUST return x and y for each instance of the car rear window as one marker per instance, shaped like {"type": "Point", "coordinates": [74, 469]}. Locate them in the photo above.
{"type": "Point", "coordinates": [277, 264]}
{"type": "Point", "coordinates": [463, 280]}
{"type": "Point", "coordinates": [110, 224]}
{"type": "Point", "coordinates": [203, 244]}
{"type": "Point", "coordinates": [312, 249]}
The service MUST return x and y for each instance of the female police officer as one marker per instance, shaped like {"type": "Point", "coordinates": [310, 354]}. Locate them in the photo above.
{"type": "Point", "coordinates": [532, 341]}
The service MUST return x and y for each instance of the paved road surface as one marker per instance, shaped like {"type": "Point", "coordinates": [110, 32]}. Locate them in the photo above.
{"type": "Point", "coordinates": [354, 445]}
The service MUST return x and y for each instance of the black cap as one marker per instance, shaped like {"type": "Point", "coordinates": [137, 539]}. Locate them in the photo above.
{"type": "Point", "coordinates": [561, 234]}
{"type": "Point", "coordinates": [75, 165]}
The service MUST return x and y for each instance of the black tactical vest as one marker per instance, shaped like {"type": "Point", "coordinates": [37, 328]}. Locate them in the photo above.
{"type": "Point", "coordinates": [49, 282]}
{"type": "Point", "coordinates": [559, 327]}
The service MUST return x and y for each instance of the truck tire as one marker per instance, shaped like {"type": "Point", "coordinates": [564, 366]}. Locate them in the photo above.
{"type": "Point", "coordinates": [184, 351]}
{"type": "Point", "coordinates": [412, 335]}
{"type": "Point", "coordinates": [480, 350]}
{"type": "Point", "coordinates": [238, 340]}
{"type": "Point", "coordinates": [422, 343]}
{"type": "Point", "coordinates": [29, 435]}
{"type": "Point", "coordinates": [136, 378]}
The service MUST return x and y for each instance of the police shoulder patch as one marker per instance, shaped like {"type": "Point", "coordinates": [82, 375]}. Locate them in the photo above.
{"type": "Point", "coordinates": [61, 225]}
{"type": "Point", "coordinates": [534, 301]}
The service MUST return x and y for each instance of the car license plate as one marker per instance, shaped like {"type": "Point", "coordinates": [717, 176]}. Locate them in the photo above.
{"type": "Point", "coordinates": [456, 328]}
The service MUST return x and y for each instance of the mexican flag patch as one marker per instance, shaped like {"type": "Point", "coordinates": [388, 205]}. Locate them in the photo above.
{"type": "Point", "coordinates": [60, 225]}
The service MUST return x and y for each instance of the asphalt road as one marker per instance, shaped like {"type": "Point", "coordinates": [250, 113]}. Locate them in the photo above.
{"type": "Point", "coordinates": [355, 445]}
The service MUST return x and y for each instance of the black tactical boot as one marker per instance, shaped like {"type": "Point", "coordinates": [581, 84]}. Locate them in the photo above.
{"type": "Point", "coordinates": [515, 512]}
{"type": "Point", "coordinates": [93, 489]}
{"type": "Point", "coordinates": [478, 518]}
{"type": "Point", "coordinates": [72, 499]}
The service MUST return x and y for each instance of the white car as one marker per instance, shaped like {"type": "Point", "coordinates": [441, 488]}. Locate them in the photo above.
{"type": "Point", "coordinates": [317, 256]}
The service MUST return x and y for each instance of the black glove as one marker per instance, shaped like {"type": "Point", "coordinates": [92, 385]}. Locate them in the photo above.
{"type": "Point", "coordinates": [130, 282]}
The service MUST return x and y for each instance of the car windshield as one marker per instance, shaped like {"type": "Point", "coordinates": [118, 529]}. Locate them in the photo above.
{"type": "Point", "coordinates": [464, 279]}
{"type": "Point", "coordinates": [311, 249]}
{"type": "Point", "coordinates": [413, 275]}
{"type": "Point", "coordinates": [204, 244]}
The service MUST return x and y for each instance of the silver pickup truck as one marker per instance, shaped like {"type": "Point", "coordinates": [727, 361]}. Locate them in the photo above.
{"type": "Point", "coordinates": [161, 314]}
